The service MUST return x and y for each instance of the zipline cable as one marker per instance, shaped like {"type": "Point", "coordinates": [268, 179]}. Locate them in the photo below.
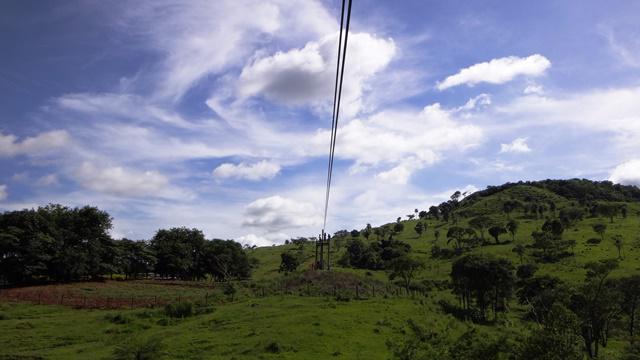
{"type": "Point", "coordinates": [342, 51]}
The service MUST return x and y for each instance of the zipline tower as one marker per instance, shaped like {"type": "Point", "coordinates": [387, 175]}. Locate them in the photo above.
{"type": "Point", "coordinates": [322, 262]}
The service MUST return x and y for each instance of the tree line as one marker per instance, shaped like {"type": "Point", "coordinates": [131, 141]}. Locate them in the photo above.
{"type": "Point", "coordinates": [58, 243]}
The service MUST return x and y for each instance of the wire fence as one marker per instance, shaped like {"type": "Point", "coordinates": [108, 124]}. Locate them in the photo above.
{"type": "Point", "coordinates": [220, 294]}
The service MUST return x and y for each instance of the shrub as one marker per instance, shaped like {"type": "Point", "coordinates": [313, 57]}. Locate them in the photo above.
{"type": "Point", "coordinates": [273, 347]}
{"type": "Point", "coordinates": [118, 318]}
{"type": "Point", "coordinates": [138, 349]}
{"type": "Point", "coordinates": [180, 310]}
{"type": "Point", "coordinates": [594, 241]}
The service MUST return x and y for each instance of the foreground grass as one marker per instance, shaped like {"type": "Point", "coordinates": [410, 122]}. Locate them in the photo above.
{"type": "Point", "coordinates": [300, 328]}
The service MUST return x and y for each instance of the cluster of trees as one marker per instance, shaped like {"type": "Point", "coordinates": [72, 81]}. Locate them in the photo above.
{"type": "Point", "coordinates": [590, 313]}
{"type": "Point", "coordinates": [482, 282]}
{"type": "Point", "coordinates": [581, 190]}
{"type": "Point", "coordinates": [598, 308]}
{"type": "Point", "coordinates": [58, 243]}
{"type": "Point", "coordinates": [377, 255]}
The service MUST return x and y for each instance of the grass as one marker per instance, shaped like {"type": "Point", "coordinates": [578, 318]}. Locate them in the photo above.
{"type": "Point", "coordinates": [293, 326]}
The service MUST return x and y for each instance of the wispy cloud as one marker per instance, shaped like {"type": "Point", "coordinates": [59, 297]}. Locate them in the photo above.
{"type": "Point", "coordinates": [497, 71]}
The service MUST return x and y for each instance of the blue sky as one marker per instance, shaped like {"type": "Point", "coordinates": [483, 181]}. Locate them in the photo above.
{"type": "Point", "coordinates": [216, 114]}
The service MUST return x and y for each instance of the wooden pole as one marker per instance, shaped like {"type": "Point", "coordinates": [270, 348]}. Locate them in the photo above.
{"type": "Point", "coordinates": [328, 252]}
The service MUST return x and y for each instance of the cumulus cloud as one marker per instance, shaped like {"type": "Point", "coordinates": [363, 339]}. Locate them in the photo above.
{"type": "Point", "coordinates": [204, 37]}
{"type": "Point", "coordinates": [254, 172]}
{"type": "Point", "coordinates": [405, 140]}
{"type": "Point", "coordinates": [497, 71]}
{"type": "Point", "coordinates": [263, 240]}
{"type": "Point", "coordinates": [627, 173]}
{"type": "Point", "coordinates": [120, 181]}
{"type": "Point", "coordinates": [518, 145]}
{"type": "Point", "coordinates": [39, 144]}
{"type": "Point", "coordinates": [3, 192]}
{"type": "Point", "coordinates": [276, 213]}
{"type": "Point", "coordinates": [303, 76]}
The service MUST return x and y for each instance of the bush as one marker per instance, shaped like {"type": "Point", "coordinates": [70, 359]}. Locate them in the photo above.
{"type": "Point", "coordinates": [273, 347]}
{"type": "Point", "coordinates": [118, 318]}
{"type": "Point", "coordinates": [594, 241]}
{"type": "Point", "coordinates": [137, 349]}
{"type": "Point", "coordinates": [180, 310]}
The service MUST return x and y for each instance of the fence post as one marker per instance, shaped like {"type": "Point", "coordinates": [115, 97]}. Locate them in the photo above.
{"type": "Point", "coordinates": [373, 290]}
{"type": "Point", "coordinates": [132, 302]}
{"type": "Point", "coordinates": [155, 301]}
{"type": "Point", "coordinates": [357, 292]}
{"type": "Point", "coordinates": [84, 301]}
{"type": "Point", "coordinates": [61, 299]}
{"type": "Point", "coordinates": [39, 294]}
{"type": "Point", "coordinates": [108, 300]}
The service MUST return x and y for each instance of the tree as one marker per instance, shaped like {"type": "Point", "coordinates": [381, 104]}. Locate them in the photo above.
{"type": "Point", "coordinates": [420, 228]}
{"type": "Point", "coordinates": [600, 229]}
{"type": "Point", "coordinates": [436, 234]}
{"type": "Point", "coordinates": [509, 206]}
{"type": "Point", "coordinates": [423, 215]}
{"type": "Point", "coordinates": [520, 250]}
{"type": "Point", "coordinates": [497, 230]}
{"type": "Point", "coordinates": [630, 300]}
{"type": "Point", "coordinates": [460, 236]}
{"type": "Point", "coordinates": [596, 305]}
{"type": "Point", "coordinates": [355, 233]}
{"type": "Point", "coordinates": [480, 223]}
{"type": "Point", "coordinates": [404, 267]}
{"type": "Point", "coordinates": [367, 232]}
{"type": "Point", "coordinates": [398, 228]}
{"type": "Point", "coordinates": [410, 216]}
{"type": "Point", "coordinates": [434, 212]}
{"type": "Point", "coordinates": [288, 263]}
{"type": "Point", "coordinates": [618, 242]}
{"type": "Point", "coordinates": [483, 281]}
{"type": "Point", "coordinates": [178, 252]}
{"type": "Point", "coordinates": [608, 210]}
{"type": "Point", "coordinates": [557, 340]}
{"type": "Point", "coordinates": [512, 227]}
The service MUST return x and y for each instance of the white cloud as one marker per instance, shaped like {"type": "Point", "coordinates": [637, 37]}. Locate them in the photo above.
{"type": "Point", "coordinates": [405, 140]}
{"type": "Point", "coordinates": [39, 144]}
{"type": "Point", "coordinates": [627, 173]}
{"type": "Point", "coordinates": [533, 89]}
{"type": "Point", "coordinates": [275, 213]}
{"type": "Point", "coordinates": [518, 145]}
{"type": "Point", "coordinates": [498, 71]}
{"type": "Point", "coordinates": [254, 172]}
{"type": "Point", "coordinates": [120, 106]}
{"type": "Point", "coordinates": [624, 44]}
{"type": "Point", "coordinates": [120, 181]}
{"type": "Point", "coordinates": [480, 101]}
{"type": "Point", "coordinates": [611, 111]}
{"type": "Point", "coordinates": [3, 192]}
{"type": "Point", "coordinates": [204, 37]}
{"type": "Point", "coordinates": [263, 240]}
{"type": "Point", "coordinates": [305, 76]}
{"type": "Point", "coordinates": [47, 180]}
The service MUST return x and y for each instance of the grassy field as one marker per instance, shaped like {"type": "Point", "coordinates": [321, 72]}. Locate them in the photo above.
{"type": "Point", "coordinates": [291, 322]}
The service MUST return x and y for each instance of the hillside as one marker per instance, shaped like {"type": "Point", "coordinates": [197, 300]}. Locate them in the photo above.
{"type": "Point", "coordinates": [356, 311]}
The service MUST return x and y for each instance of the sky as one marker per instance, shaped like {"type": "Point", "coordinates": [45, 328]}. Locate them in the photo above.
{"type": "Point", "coordinates": [217, 114]}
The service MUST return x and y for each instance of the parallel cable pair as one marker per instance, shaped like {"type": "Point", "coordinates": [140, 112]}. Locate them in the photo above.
{"type": "Point", "coordinates": [337, 94]}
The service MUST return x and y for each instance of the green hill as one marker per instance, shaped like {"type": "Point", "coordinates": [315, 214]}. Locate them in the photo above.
{"type": "Point", "coordinates": [356, 311]}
